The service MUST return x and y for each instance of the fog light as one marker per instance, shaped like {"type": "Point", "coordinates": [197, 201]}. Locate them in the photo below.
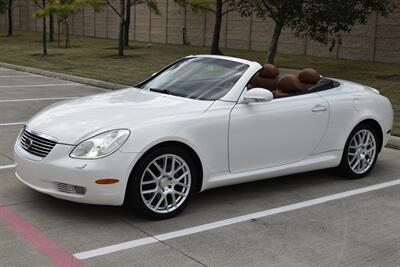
{"type": "Point", "coordinates": [80, 190]}
{"type": "Point", "coordinates": [107, 181]}
{"type": "Point", "coordinates": [70, 189]}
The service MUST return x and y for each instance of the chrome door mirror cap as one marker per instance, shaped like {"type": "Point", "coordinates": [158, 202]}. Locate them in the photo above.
{"type": "Point", "coordinates": [256, 95]}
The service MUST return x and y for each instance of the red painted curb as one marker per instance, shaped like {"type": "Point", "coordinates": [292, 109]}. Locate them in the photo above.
{"type": "Point", "coordinates": [54, 252]}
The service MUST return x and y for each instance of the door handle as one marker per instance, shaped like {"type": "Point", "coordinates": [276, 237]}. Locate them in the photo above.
{"type": "Point", "coordinates": [319, 108]}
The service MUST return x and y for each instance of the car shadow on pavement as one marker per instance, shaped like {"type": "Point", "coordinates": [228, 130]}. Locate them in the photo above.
{"type": "Point", "coordinates": [211, 205]}
{"type": "Point", "coordinates": [217, 203]}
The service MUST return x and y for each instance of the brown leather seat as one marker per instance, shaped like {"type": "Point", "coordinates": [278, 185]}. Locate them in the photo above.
{"type": "Point", "coordinates": [287, 85]}
{"type": "Point", "coordinates": [295, 84]}
{"type": "Point", "coordinates": [308, 78]}
{"type": "Point", "coordinates": [266, 78]}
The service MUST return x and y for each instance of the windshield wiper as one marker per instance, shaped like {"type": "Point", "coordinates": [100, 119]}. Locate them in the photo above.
{"type": "Point", "coordinates": [166, 91]}
{"type": "Point", "coordinates": [163, 91]}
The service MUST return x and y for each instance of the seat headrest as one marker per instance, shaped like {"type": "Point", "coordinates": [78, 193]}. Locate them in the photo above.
{"type": "Point", "coordinates": [269, 71]}
{"type": "Point", "coordinates": [289, 84]}
{"type": "Point", "coordinates": [310, 76]}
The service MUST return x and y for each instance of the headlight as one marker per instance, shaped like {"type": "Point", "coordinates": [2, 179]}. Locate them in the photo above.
{"type": "Point", "coordinates": [101, 145]}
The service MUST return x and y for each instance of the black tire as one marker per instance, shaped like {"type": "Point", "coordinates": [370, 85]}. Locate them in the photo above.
{"type": "Point", "coordinates": [134, 198]}
{"type": "Point", "coordinates": [344, 169]}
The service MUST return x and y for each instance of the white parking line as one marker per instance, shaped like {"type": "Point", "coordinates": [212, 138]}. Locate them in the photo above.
{"type": "Point", "coordinates": [40, 85]}
{"type": "Point", "coordinates": [218, 224]}
{"type": "Point", "coordinates": [5, 167]}
{"type": "Point", "coordinates": [36, 99]}
{"type": "Point", "coordinates": [12, 123]}
{"type": "Point", "coordinates": [20, 76]}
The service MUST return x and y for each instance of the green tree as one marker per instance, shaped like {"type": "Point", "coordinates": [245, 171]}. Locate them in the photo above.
{"type": "Point", "coordinates": [42, 12]}
{"type": "Point", "coordinates": [220, 8]}
{"type": "Point", "coordinates": [321, 20]}
{"type": "Point", "coordinates": [124, 14]}
{"type": "Point", "coordinates": [338, 16]}
{"type": "Point", "coordinates": [65, 8]}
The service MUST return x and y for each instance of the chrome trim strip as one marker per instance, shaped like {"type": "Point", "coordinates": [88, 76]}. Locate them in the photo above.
{"type": "Point", "coordinates": [45, 136]}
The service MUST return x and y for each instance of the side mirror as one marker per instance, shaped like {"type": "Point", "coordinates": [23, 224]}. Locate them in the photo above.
{"type": "Point", "coordinates": [258, 95]}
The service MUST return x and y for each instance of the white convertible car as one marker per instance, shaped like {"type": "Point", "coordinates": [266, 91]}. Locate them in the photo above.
{"type": "Point", "coordinates": [200, 123]}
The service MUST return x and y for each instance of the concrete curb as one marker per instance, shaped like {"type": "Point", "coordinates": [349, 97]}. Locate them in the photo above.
{"type": "Point", "coordinates": [88, 81]}
{"type": "Point", "coordinates": [394, 141]}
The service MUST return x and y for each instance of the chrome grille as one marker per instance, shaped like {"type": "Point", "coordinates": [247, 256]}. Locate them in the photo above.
{"type": "Point", "coordinates": [70, 189]}
{"type": "Point", "coordinates": [35, 144]}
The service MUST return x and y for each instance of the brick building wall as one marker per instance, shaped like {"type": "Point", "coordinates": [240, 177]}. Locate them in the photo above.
{"type": "Point", "coordinates": [379, 40]}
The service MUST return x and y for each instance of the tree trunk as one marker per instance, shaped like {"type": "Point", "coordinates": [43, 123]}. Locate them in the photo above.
{"type": "Point", "coordinates": [121, 28]}
{"type": "Point", "coordinates": [217, 29]}
{"type": "Point", "coordinates": [127, 23]}
{"type": "Point", "coordinates": [184, 30]}
{"type": "Point", "coordinates": [44, 31]}
{"type": "Point", "coordinates": [10, 18]}
{"type": "Point", "coordinates": [67, 42]}
{"type": "Point", "coordinates": [58, 33]}
{"type": "Point", "coordinates": [274, 43]}
{"type": "Point", "coordinates": [51, 29]}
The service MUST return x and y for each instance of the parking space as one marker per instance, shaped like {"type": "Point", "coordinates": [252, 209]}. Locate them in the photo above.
{"type": "Point", "coordinates": [24, 94]}
{"type": "Point", "coordinates": [358, 229]}
{"type": "Point", "coordinates": [8, 135]}
{"type": "Point", "coordinates": [10, 81]}
{"type": "Point", "coordinates": [73, 90]}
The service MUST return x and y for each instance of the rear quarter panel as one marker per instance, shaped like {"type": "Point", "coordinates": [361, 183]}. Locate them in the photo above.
{"type": "Point", "coordinates": [350, 104]}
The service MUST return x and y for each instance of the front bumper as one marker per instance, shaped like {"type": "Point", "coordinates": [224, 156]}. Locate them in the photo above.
{"type": "Point", "coordinates": [56, 172]}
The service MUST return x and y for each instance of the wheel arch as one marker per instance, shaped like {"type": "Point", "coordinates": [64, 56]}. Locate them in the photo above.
{"type": "Point", "coordinates": [377, 127]}
{"type": "Point", "coordinates": [189, 149]}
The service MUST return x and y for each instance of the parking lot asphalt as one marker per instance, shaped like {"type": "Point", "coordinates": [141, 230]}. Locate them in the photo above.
{"type": "Point", "coordinates": [359, 229]}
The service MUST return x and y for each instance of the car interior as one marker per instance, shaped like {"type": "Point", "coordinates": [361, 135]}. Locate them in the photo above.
{"type": "Point", "coordinates": [306, 81]}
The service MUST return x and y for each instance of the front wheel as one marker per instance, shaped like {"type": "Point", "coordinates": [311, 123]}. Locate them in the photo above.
{"type": "Point", "coordinates": [360, 152]}
{"type": "Point", "coordinates": [163, 182]}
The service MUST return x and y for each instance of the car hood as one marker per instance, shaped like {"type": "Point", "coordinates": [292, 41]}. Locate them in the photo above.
{"type": "Point", "coordinates": [72, 121]}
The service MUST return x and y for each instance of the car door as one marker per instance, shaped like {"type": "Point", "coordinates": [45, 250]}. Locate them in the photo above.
{"type": "Point", "coordinates": [278, 132]}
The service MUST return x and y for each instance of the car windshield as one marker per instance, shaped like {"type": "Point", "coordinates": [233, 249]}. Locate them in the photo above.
{"type": "Point", "coordinates": [197, 78]}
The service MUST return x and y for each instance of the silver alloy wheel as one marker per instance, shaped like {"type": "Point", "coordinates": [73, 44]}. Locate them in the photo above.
{"type": "Point", "coordinates": [362, 151]}
{"type": "Point", "coordinates": [165, 183]}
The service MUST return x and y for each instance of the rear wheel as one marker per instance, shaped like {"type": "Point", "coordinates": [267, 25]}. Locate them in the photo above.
{"type": "Point", "coordinates": [360, 152]}
{"type": "Point", "coordinates": [163, 182]}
